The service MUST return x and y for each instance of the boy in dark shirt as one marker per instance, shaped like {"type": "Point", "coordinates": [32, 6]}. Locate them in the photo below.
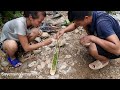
{"type": "Point", "coordinates": [103, 35]}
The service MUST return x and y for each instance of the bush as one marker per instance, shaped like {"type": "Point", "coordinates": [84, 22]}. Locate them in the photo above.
{"type": "Point", "coordinates": [8, 15]}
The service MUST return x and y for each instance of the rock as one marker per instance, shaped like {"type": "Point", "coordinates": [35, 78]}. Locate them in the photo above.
{"type": "Point", "coordinates": [4, 63]}
{"type": "Point", "coordinates": [72, 64]}
{"type": "Point", "coordinates": [53, 43]}
{"type": "Point", "coordinates": [38, 39]}
{"type": "Point", "coordinates": [20, 76]}
{"type": "Point", "coordinates": [51, 77]}
{"type": "Point", "coordinates": [68, 56]}
{"type": "Point", "coordinates": [64, 65]}
{"type": "Point", "coordinates": [34, 72]}
{"type": "Point", "coordinates": [62, 43]}
{"type": "Point", "coordinates": [35, 69]}
{"type": "Point", "coordinates": [40, 77]}
{"type": "Point", "coordinates": [45, 35]}
{"type": "Point", "coordinates": [57, 76]}
{"type": "Point", "coordinates": [32, 64]}
{"type": "Point", "coordinates": [56, 16]}
{"type": "Point", "coordinates": [68, 69]}
{"type": "Point", "coordinates": [54, 76]}
{"type": "Point", "coordinates": [63, 71]}
{"type": "Point", "coordinates": [24, 66]}
{"type": "Point", "coordinates": [63, 27]}
{"type": "Point", "coordinates": [47, 48]}
{"type": "Point", "coordinates": [26, 70]}
{"type": "Point", "coordinates": [47, 61]}
{"type": "Point", "coordinates": [76, 31]}
{"type": "Point", "coordinates": [49, 65]}
{"type": "Point", "coordinates": [37, 51]}
{"type": "Point", "coordinates": [43, 64]}
{"type": "Point", "coordinates": [39, 67]}
{"type": "Point", "coordinates": [1, 70]}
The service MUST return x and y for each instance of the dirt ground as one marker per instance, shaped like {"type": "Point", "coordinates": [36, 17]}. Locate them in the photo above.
{"type": "Point", "coordinates": [72, 63]}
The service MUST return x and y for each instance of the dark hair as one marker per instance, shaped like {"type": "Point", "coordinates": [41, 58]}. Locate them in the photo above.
{"type": "Point", "coordinates": [78, 15]}
{"type": "Point", "coordinates": [34, 14]}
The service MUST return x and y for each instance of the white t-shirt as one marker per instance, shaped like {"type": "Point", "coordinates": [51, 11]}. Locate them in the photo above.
{"type": "Point", "coordinates": [13, 28]}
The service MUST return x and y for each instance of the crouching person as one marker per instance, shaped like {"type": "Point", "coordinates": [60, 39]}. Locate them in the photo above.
{"type": "Point", "coordinates": [16, 33]}
{"type": "Point", "coordinates": [103, 39]}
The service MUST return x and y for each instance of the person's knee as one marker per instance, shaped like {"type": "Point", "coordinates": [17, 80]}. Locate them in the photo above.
{"type": "Point", "coordinates": [93, 50]}
{"type": "Point", "coordinates": [10, 46]}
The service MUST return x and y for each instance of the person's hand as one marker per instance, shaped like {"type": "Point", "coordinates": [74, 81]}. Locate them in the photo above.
{"type": "Point", "coordinates": [59, 34]}
{"type": "Point", "coordinates": [86, 40]}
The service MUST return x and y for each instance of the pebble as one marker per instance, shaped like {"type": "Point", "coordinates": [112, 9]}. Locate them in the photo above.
{"type": "Point", "coordinates": [40, 77]}
{"type": "Point", "coordinates": [63, 27]}
{"type": "Point", "coordinates": [64, 65]}
{"type": "Point", "coordinates": [4, 63]}
{"type": "Point", "coordinates": [51, 77]}
{"type": "Point", "coordinates": [76, 31]}
{"type": "Point", "coordinates": [32, 64]}
{"type": "Point", "coordinates": [37, 51]}
{"type": "Point", "coordinates": [39, 67]}
{"type": "Point", "coordinates": [34, 72]}
{"type": "Point", "coordinates": [38, 39]}
{"type": "Point", "coordinates": [62, 43]}
{"type": "Point", "coordinates": [47, 61]}
{"type": "Point", "coordinates": [45, 35]}
{"type": "Point", "coordinates": [43, 64]}
{"type": "Point", "coordinates": [47, 48]}
{"type": "Point", "coordinates": [49, 65]}
{"type": "Point", "coordinates": [68, 56]}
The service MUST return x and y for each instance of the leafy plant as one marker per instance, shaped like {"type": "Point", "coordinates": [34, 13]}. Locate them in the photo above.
{"type": "Point", "coordinates": [8, 15]}
{"type": "Point", "coordinates": [55, 59]}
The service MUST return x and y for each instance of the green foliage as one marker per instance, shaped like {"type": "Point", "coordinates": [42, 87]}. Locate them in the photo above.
{"type": "Point", "coordinates": [8, 15]}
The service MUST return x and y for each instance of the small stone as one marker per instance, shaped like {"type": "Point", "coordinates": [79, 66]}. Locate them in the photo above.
{"type": "Point", "coordinates": [26, 70]}
{"type": "Point", "coordinates": [63, 71]}
{"type": "Point", "coordinates": [36, 51]}
{"type": "Point", "coordinates": [53, 44]}
{"type": "Point", "coordinates": [47, 48]}
{"type": "Point", "coordinates": [38, 39]}
{"type": "Point", "coordinates": [68, 56]}
{"type": "Point", "coordinates": [32, 64]}
{"type": "Point", "coordinates": [42, 64]}
{"type": "Point", "coordinates": [68, 69]}
{"type": "Point", "coordinates": [64, 65]}
{"type": "Point", "coordinates": [76, 31]}
{"type": "Point", "coordinates": [20, 76]}
{"type": "Point", "coordinates": [40, 77]}
{"type": "Point", "coordinates": [63, 27]}
{"type": "Point", "coordinates": [49, 65]}
{"type": "Point", "coordinates": [45, 35]}
{"type": "Point", "coordinates": [39, 67]}
{"type": "Point", "coordinates": [56, 76]}
{"type": "Point", "coordinates": [35, 69]}
{"type": "Point", "coordinates": [34, 72]}
{"type": "Point", "coordinates": [62, 43]}
{"type": "Point", "coordinates": [72, 64]}
{"type": "Point", "coordinates": [51, 77]}
{"type": "Point", "coordinates": [47, 61]}
{"type": "Point", "coordinates": [4, 63]}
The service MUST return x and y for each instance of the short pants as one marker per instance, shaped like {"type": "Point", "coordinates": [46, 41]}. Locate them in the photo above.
{"type": "Point", "coordinates": [105, 53]}
{"type": "Point", "coordinates": [19, 51]}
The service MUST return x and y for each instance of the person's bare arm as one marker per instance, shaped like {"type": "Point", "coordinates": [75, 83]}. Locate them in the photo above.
{"type": "Point", "coordinates": [71, 27]}
{"type": "Point", "coordinates": [27, 47]}
{"type": "Point", "coordinates": [111, 44]}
